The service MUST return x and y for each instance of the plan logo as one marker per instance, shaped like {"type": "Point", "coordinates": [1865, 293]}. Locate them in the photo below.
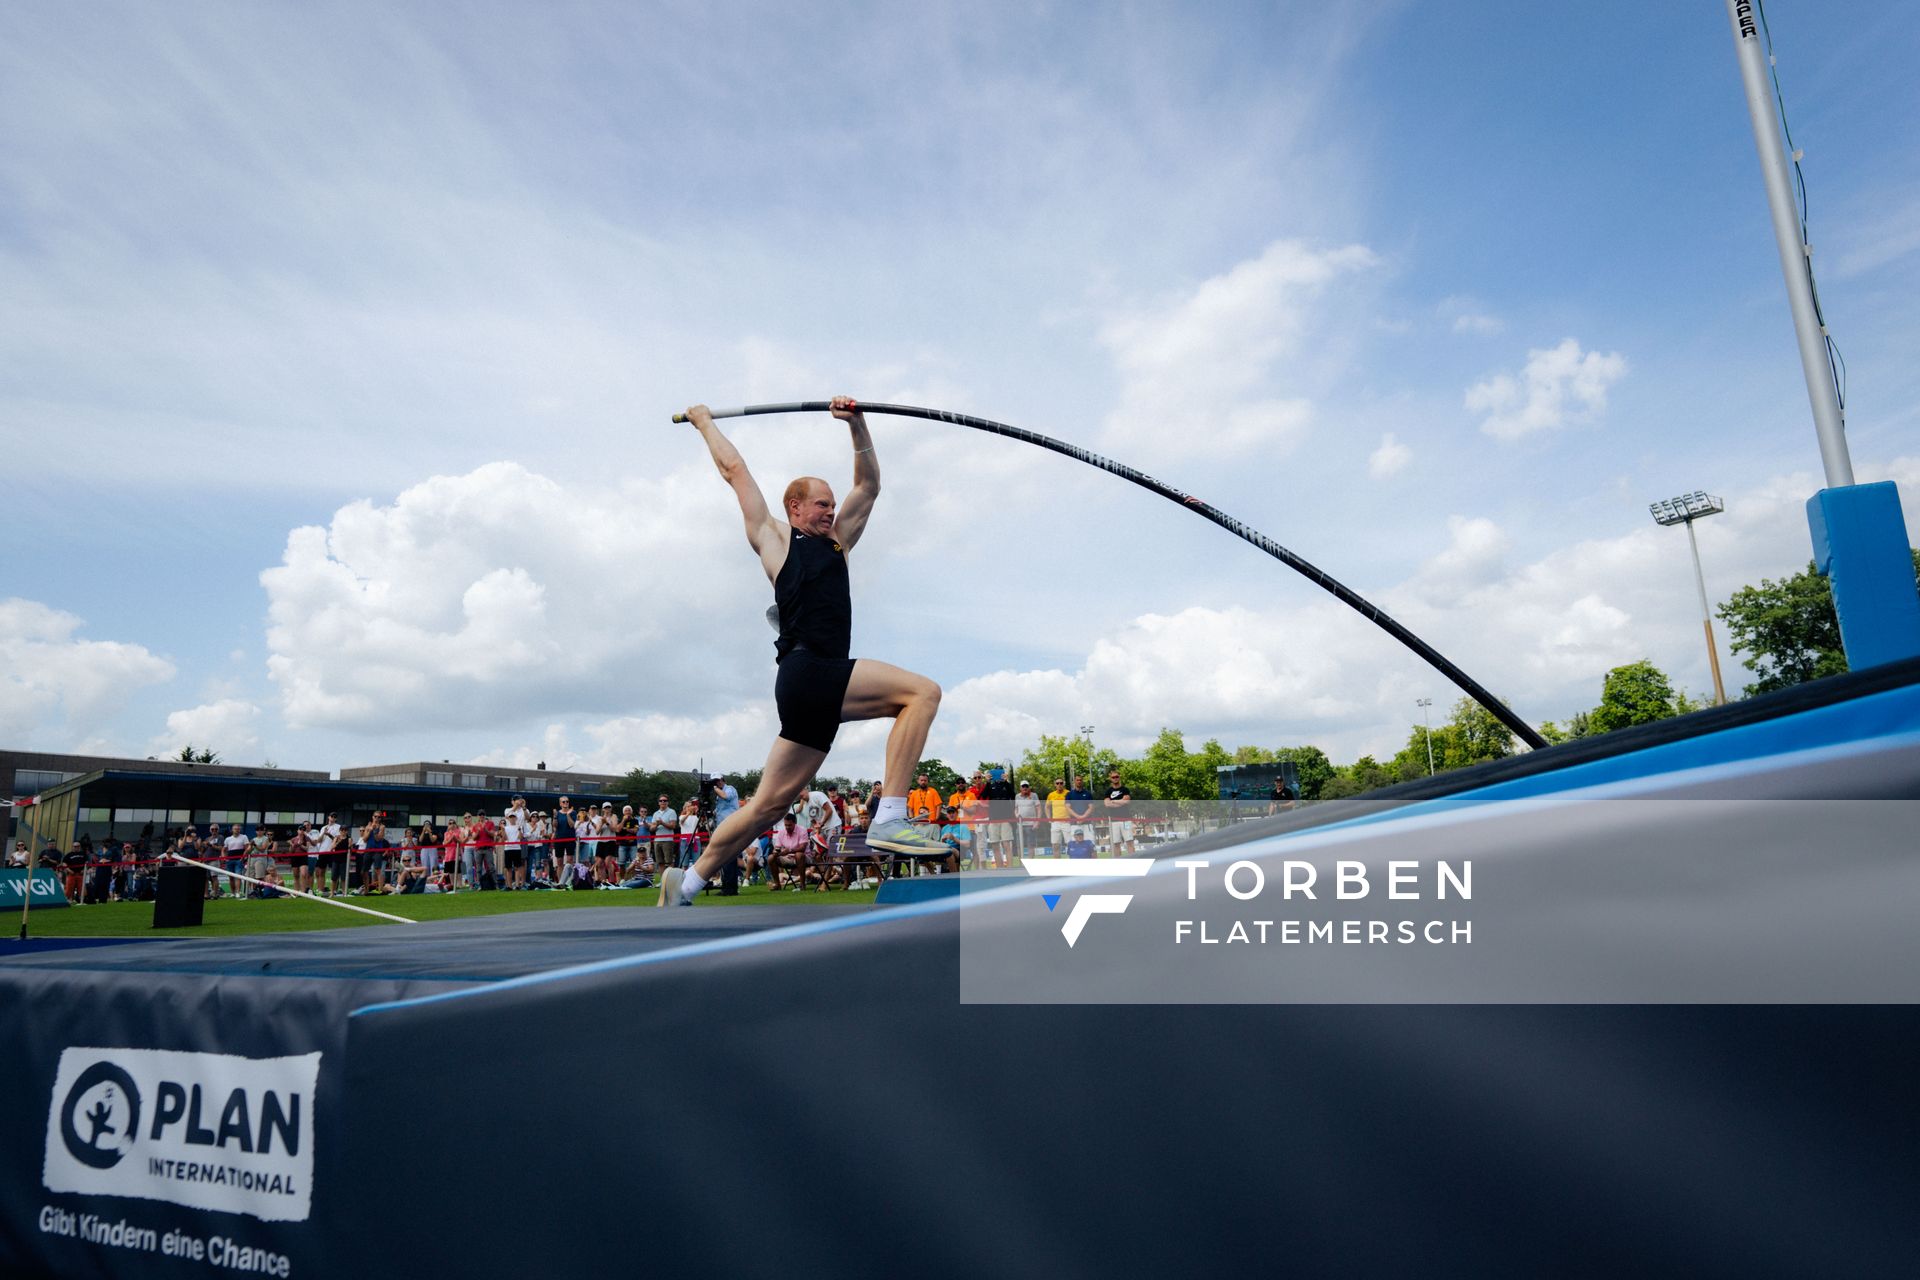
{"type": "Point", "coordinates": [106, 1102]}
{"type": "Point", "coordinates": [207, 1130]}
{"type": "Point", "coordinates": [1087, 905]}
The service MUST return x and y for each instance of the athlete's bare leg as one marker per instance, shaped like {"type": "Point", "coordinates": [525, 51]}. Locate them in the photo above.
{"type": "Point", "coordinates": [790, 767]}
{"type": "Point", "coordinates": [877, 690]}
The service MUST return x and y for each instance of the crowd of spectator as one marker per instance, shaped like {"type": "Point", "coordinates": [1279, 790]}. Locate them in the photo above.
{"type": "Point", "coordinates": [583, 847]}
{"type": "Point", "coordinates": [986, 821]}
{"type": "Point", "coordinates": [989, 821]}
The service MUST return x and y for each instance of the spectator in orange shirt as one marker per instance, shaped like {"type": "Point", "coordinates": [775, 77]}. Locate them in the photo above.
{"type": "Point", "coordinates": [965, 809]}
{"type": "Point", "coordinates": [923, 802]}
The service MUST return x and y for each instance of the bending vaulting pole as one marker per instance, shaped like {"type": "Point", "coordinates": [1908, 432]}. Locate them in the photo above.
{"type": "Point", "coordinates": [1340, 590]}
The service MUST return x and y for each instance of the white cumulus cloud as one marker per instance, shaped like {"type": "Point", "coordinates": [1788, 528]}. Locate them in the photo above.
{"type": "Point", "coordinates": [402, 605]}
{"type": "Point", "coordinates": [1209, 360]}
{"type": "Point", "coordinates": [228, 726]}
{"type": "Point", "coordinates": [1465, 315]}
{"type": "Point", "coordinates": [55, 687]}
{"type": "Point", "coordinates": [1390, 459]}
{"type": "Point", "coordinates": [486, 598]}
{"type": "Point", "coordinates": [1558, 385]}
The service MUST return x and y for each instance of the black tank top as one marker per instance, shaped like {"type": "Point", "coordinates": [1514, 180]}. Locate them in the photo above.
{"type": "Point", "coordinates": [815, 601]}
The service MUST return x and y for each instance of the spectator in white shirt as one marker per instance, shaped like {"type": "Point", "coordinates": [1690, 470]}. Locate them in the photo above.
{"type": "Point", "coordinates": [333, 855]}
{"type": "Point", "coordinates": [513, 855]}
{"type": "Point", "coordinates": [262, 853]}
{"type": "Point", "coordinates": [236, 845]}
{"type": "Point", "coordinates": [1026, 814]}
{"type": "Point", "coordinates": [690, 831]}
{"type": "Point", "coordinates": [664, 824]}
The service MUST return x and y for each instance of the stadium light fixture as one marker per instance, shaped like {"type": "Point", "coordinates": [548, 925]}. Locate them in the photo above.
{"type": "Point", "coordinates": [1685, 509]}
{"type": "Point", "coordinates": [1423, 704]}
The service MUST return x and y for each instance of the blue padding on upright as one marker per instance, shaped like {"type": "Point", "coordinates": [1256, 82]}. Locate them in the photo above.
{"type": "Point", "coordinates": [1860, 543]}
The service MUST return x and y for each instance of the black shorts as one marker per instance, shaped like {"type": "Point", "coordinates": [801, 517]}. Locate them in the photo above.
{"type": "Point", "coordinates": [809, 692]}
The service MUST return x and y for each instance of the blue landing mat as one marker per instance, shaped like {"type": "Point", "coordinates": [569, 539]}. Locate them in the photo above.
{"type": "Point", "coordinates": [904, 889]}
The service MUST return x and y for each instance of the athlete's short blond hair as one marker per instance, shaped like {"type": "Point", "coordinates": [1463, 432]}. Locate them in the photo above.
{"type": "Point", "coordinates": [797, 492]}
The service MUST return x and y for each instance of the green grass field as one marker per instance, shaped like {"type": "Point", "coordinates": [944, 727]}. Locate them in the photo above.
{"type": "Point", "coordinates": [229, 916]}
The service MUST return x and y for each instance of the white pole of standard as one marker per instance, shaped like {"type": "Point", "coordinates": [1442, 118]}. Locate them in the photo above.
{"type": "Point", "coordinates": [1795, 256]}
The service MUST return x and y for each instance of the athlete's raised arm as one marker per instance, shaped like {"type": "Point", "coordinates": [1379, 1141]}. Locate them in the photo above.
{"type": "Point", "coordinates": [851, 521]}
{"type": "Point", "coordinates": [764, 533]}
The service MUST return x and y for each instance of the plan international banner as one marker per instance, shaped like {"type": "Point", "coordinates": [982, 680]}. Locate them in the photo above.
{"type": "Point", "coordinates": [172, 1124]}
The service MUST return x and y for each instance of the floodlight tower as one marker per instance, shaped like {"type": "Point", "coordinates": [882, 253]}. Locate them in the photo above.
{"type": "Point", "coordinates": [1685, 509]}
{"type": "Point", "coordinates": [1423, 704]}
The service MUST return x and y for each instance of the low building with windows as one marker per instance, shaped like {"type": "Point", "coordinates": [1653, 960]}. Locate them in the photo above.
{"type": "Point", "coordinates": [25, 774]}
{"type": "Point", "coordinates": [60, 798]}
{"type": "Point", "coordinates": [529, 782]}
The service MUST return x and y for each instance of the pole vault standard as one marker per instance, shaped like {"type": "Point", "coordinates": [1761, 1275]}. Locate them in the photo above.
{"type": "Point", "coordinates": [1345, 594]}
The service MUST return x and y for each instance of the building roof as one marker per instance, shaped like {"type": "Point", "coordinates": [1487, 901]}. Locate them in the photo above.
{"type": "Point", "coordinates": [321, 787]}
{"type": "Point", "coordinates": [69, 762]}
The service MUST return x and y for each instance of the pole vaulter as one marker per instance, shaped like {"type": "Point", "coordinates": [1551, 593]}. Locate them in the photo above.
{"type": "Point", "coordinates": [1345, 594]}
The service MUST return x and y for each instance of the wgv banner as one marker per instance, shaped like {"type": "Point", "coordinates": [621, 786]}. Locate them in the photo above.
{"type": "Point", "coordinates": [46, 888]}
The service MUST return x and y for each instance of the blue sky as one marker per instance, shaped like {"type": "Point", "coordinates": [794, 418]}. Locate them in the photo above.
{"type": "Point", "coordinates": [341, 340]}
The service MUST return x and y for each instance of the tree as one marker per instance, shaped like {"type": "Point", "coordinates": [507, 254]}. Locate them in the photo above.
{"type": "Point", "coordinates": [1638, 693]}
{"type": "Point", "coordinates": [1055, 753]}
{"type": "Point", "coordinates": [940, 774]}
{"type": "Point", "coordinates": [1578, 726]}
{"type": "Point", "coordinates": [1253, 755]}
{"type": "Point", "coordinates": [1208, 761]}
{"type": "Point", "coordinates": [1788, 629]}
{"type": "Point", "coordinates": [1471, 735]}
{"type": "Point", "coordinates": [1364, 774]}
{"type": "Point", "coordinates": [1413, 761]}
{"type": "Point", "coordinates": [1310, 767]}
{"type": "Point", "coordinates": [1339, 786]}
{"type": "Point", "coordinates": [644, 787]}
{"type": "Point", "coordinates": [207, 756]}
{"type": "Point", "coordinates": [1170, 772]}
{"type": "Point", "coordinates": [1474, 734]}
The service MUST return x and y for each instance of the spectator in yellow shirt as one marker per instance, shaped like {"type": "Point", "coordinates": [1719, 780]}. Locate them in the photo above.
{"type": "Point", "coordinates": [1057, 812]}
